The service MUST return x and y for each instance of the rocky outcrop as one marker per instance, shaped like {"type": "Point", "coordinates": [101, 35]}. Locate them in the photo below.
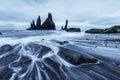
{"type": "Point", "coordinates": [70, 29]}
{"type": "Point", "coordinates": [73, 30]}
{"type": "Point", "coordinates": [48, 24]}
{"type": "Point", "coordinates": [6, 47]}
{"type": "Point", "coordinates": [0, 33]}
{"type": "Point", "coordinates": [38, 24]}
{"type": "Point", "coordinates": [114, 29]}
{"type": "Point", "coordinates": [66, 25]}
{"type": "Point", "coordinates": [74, 57]}
{"type": "Point", "coordinates": [32, 24]}
{"type": "Point", "coordinates": [94, 31]}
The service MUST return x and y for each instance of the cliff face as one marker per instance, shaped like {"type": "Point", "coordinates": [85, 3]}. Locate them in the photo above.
{"type": "Point", "coordinates": [48, 24]}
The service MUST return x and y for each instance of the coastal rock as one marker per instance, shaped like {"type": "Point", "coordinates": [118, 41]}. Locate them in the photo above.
{"type": "Point", "coordinates": [32, 24]}
{"type": "Point", "coordinates": [75, 58]}
{"type": "Point", "coordinates": [62, 42]}
{"type": "Point", "coordinates": [48, 24]}
{"type": "Point", "coordinates": [94, 31]}
{"type": "Point", "coordinates": [66, 25]}
{"type": "Point", "coordinates": [73, 30]}
{"type": "Point", "coordinates": [6, 47]}
{"type": "Point", "coordinates": [0, 33]}
{"type": "Point", "coordinates": [70, 29]}
{"type": "Point", "coordinates": [114, 29]}
{"type": "Point", "coordinates": [5, 73]}
{"type": "Point", "coordinates": [38, 24]}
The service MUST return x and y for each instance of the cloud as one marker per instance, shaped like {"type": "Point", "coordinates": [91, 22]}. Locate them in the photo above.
{"type": "Point", "coordinates": [79, 12]}
{"type": "Point", "coordinates": [12, 25]}
{"type": "Point", "coordinates": [35, 2]}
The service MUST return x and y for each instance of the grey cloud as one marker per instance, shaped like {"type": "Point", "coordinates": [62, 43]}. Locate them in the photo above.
{"type": "Point", "coordinates": [34, 2]}
{"type": "Point", "coordinates": [94, 11]}
{"type": "Point", "coordinates": [11, 16]}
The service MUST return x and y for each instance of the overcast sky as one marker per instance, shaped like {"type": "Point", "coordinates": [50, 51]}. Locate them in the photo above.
{"type": "Point", "coordinates": [16, 14]}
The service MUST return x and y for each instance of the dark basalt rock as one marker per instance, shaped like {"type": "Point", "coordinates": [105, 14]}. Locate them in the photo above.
{"type": "Point", "coordinates": [6, 47]}
{"type": "Point", "coordinates": [48, 24]}
{"type": "Point", "coordinates": [94, 31]}
{"type": "Point", "coordinates": [73, 30]}
{"type": "Point", "coordinates": [74, 57]}
{"type": "Point", "coordinates": [5, 73]}
{"type": "Point", "coordinates": [81, 60]}
{"type": "Point", "coordinates": [32, 24]}
{"type": "Point", "coordinates": [0, 33]}
{"type": "Point", "coordinates": [70, 29]}
{"type": "Point", "coordinates": [38, 24]}
{"type": "Point", "coordinates": [62, 43]}
{"type": "Point", "coordinates": [35, 47]}
{"type": "Point", "coordinates": [66, 25]}
{"type": "Point", "coordinates": [114, 29]}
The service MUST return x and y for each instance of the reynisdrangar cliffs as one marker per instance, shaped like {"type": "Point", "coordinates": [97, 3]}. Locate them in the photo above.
{"type": "Point", "coordinates": [48, 24]}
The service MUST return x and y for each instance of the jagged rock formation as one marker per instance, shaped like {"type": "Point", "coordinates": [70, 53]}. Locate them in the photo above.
{"type": "Point", "coordinates": [48, 24]}
{"type": "Point", "coordinates": [114, 29]}
{"type": "Point", "coordinates": [66, 25]}
{"type": "Point", "coordinates": [32, 24]}
{"type": "Point", "coordinates": [38, 24]}
{"type": "Point", "coordinates": [70, 29]}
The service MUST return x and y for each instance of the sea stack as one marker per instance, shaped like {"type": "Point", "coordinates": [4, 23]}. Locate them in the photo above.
{"type": "Point", "coordinates": [48, 24]}
{"type": "Point", "coordinates": [32, 24]}
{"type": "Point", "coordinates": [66, 24]}
{"type": "Point", "coordinates": [38, 24]}
{"type": "Point", "coordinates": [70, 29]}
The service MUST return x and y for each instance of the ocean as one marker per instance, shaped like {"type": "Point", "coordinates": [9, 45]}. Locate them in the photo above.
{"type": "Point", "coordinates": [59, 55]}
